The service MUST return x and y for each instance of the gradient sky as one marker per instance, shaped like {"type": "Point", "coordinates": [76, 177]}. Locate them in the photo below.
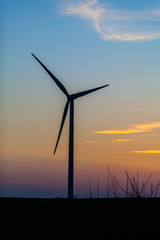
{"type": "Point", "coordinates": [86, 44]}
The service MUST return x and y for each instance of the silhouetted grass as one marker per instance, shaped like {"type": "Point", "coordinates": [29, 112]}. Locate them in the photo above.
{"type": "Point", "coordinates": [133, 187]}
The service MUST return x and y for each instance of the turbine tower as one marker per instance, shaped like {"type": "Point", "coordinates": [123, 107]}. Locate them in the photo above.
{"type": "Point", "coordinates": [70, 102]}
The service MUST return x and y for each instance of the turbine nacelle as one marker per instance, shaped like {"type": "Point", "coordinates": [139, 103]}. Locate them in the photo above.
{"type": "Point", "coordinates": [71, 97]}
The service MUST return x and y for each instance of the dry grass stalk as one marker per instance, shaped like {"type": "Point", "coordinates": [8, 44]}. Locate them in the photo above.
{"type": "Point", "coordinates": [132, 188]}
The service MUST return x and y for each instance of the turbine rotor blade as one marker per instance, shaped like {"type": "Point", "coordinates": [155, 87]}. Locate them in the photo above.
{"type": "Point", "coordinates": [60, 85]}
{"type": "Point", "coordinates": [81, 94]}
{"type": "Point", "coordinates": [62, 123]}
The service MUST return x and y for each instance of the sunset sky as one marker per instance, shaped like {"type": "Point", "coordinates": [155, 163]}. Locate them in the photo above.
{"type": "Point", "coordinates": [85, 44]}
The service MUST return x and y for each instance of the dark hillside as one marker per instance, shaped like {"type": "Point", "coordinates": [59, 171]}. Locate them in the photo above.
{"type": "Point", "coordinates": [79, 218]}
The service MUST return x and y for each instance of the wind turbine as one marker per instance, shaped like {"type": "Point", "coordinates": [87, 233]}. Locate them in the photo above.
{"type": "Point", "coordinates": [70, 101]}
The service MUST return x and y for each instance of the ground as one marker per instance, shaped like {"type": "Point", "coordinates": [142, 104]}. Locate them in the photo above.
{"type": "Point", "coordinates": [76, 219]}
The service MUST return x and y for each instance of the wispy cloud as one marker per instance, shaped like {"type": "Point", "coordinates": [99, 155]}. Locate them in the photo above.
{"type": "Point", "coordinates": [146, 151]}
{"type": "Point", "coordinates": [147, 110]}
{"type": "Point", "coordinates": [90, 141]}
{"type": "Point", "coordinates": [122, 140]}
{"type": "Point", "coordinates": [132, 129]}
{"type": "Point", "coordinates": [115, 24]}
{"type": "Point", "coordinates": [122, 131]}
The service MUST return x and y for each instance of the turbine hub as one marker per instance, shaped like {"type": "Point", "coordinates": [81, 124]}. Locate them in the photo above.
{"type": "Point", "coordinates": [71, 97]}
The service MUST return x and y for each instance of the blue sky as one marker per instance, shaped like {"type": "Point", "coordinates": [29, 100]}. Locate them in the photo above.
{"type": "Point", "coordinates": [44, 28]}
{"type": "Point", "coordinates": [85, 44]}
